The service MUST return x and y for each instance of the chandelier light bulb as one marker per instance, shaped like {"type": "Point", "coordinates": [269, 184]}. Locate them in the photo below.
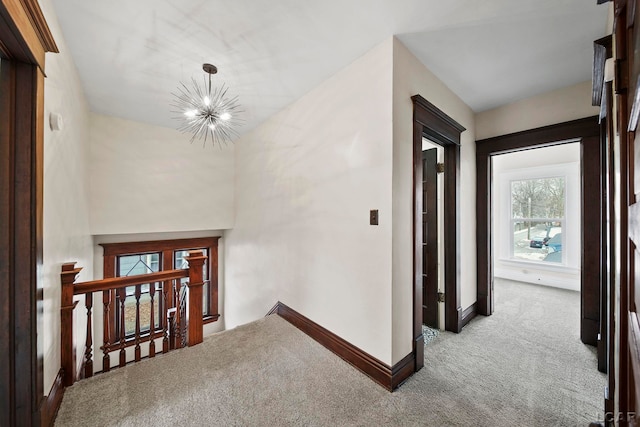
{"type": "Point", "coordinates": [207, 112]}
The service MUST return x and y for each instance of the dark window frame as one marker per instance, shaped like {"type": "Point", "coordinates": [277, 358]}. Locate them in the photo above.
{"type": "Point", "coordinates": [167, 250]}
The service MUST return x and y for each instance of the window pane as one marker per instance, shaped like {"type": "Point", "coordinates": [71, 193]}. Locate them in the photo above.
{"type": "Point", "coordinates": [538, 198]}
{"type": "Point", "coordinates": [537, 241]}
{"type": "Point", "coordinates": [180, 262]}
{"type": "Point", "coordinates": [133, 265]}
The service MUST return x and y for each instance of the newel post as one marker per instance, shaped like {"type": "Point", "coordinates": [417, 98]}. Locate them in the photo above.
{"type": "Point", "coordinates": [68, 276]}
{"type": "Point", "coordinates": [196, 261]}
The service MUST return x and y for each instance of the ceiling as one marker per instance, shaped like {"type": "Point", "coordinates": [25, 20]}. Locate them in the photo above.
{"type": "Point", "coordinates": [132, 54]}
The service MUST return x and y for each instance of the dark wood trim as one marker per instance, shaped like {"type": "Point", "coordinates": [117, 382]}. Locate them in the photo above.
{"type": "Point", "coordinates": [485, 300]}
{"type": "Point", "coordinates": [24, 39]}
{"type": "Point", "coordinates": [592, 213]}
{"type": "Point", "coordinates": [452, 238]}
{"type": "Point", "coordinates": [383, 374]}
{"type": "Point", "coordinates": [602, 50]}
{"type": "Point", "coordinates": [545, 136]}
{"type": "Point", "coordinates": [51, 402]}
{"type": "Point", "coordinates": [24, 33]}
{"type": "Point", "coordinates": [166, 247]}
{"type": "Point", "coordinates": [432, 123]}
{"type": "Point", "coordinates": [430, 267]}
{"type": "Point", "coordinates": [124, 248]}
{"type": "Point", "coordinates": [439, 125]}
{"type": "Point", "coordinates": [587, 132]}
{"type": "Point", "coordinates": [468, 314]}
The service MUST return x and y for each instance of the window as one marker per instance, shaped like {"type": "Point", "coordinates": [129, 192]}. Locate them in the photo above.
{"type": "Point", "coordinates": [134, 258]}
{"type": "Point", "coordinates": [537, 219]}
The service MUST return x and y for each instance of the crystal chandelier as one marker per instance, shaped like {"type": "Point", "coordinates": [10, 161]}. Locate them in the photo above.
{"type": "Point", "coordinates": [205, 112]}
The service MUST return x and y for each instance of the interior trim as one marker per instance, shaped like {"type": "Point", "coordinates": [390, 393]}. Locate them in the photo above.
{"type": "Point", "coordinates": [587, 132]}
{"type": "Point", "coordinates": [383, 374]}
{"type": "Point", "coordinates": [51, 402]}
{"type": "Point", "coordinates": [468, 314]}
{"type": "Point", "coordinates": [432, 123]}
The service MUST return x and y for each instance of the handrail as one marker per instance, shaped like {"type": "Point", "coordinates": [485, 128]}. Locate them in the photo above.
{"type": "Point", "coordinates": [120, 282]}
{"type": "Point", "coordinates": [114, 295]}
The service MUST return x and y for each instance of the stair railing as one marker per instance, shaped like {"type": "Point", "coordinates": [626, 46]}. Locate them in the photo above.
{"type": "Point", "coordinates": [170, 289]}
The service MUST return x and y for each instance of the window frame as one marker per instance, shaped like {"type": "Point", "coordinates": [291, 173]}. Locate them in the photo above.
{"type": "Point", "coordinates": [570, 172]}
{"type": "Point", "coordinates": [166, 249]}
{"type": "Point", "coordinates": [513, 220]}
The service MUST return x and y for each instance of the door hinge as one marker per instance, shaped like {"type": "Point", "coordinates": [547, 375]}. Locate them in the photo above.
{"type": "Point", "coordinates": [440, 167]}
{"type": "Point", "coordinates": [440, 296]}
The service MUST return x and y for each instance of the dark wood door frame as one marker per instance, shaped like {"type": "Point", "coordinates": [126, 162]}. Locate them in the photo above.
{"type": "Point", "coordinates": [430, 238]}
{"type": "Point", "coordinates": [24, 39]}
{"type": "Point", "coordinates": [587, 131]}
{"type": "Point", "coordinates": [432, 123]}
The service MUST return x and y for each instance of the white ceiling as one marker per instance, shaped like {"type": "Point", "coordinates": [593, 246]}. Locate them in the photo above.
{"type": "Point", "coordinates": [132, 54]}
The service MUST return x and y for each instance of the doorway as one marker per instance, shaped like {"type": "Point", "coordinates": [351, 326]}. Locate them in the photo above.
{"type": "Point", "coordinates": [592, 178]}
{"type": "Point", "coordinates": [432, 233]}
{"type": "Point", "coordinates": [536, 216]}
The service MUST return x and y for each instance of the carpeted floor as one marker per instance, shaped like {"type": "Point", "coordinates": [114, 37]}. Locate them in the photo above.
{"type": "Point", "coordinates": [523, 366]}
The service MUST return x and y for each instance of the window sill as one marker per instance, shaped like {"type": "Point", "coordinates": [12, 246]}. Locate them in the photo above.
{"type": "Point", "coordinates": [210, 319]}
{"type": "Point", "coordinates": [563, 268]}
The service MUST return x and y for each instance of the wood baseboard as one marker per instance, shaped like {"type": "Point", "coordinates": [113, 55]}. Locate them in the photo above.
{"type": "Point", "coordinates": [51, 402]}
{"type": "Point", "coordinates": [383, 374]}
{"type": "Point", "coordinates": [468, 314]}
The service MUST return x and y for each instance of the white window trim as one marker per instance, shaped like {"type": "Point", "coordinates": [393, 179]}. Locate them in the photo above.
{"type": "Point", "coordinates": [570, 223]}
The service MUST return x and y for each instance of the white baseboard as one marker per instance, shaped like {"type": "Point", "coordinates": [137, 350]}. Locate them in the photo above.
{"type": "Point", "coordinates": [540, 278]}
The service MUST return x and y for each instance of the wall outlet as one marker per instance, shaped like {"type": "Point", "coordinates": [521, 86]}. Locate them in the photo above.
{"type": "Point", "coordinates": [373, 217]}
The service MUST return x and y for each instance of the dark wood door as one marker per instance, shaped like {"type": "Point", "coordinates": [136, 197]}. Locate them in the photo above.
{"type": "Point", "coordinates": [627, 109]}
{"type": "Point", "coordinates": [430, 238]}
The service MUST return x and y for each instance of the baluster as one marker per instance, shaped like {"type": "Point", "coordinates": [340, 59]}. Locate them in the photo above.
{"type": "Point", "coordinates": [106, 337]}
{"type": "Point", "coordinates": [88, 357]}
{"type": "Point", "coordinates": [122, 294]}
{"type": "Point", "coordinates": [165, 320]}
{"type": "Point", "coordinates": [177, 336]}
{"type": "Point", "coordinates": [137, 337]}
{"type": "Point", "coordinates": [152, 321]}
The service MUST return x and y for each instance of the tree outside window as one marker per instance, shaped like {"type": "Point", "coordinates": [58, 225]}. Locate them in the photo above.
{"type": "Point", "coordinates": [537, 219]}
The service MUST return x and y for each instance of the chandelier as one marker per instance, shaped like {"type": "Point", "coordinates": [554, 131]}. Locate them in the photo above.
{"type": "Point", "coordinates": [205, 112]}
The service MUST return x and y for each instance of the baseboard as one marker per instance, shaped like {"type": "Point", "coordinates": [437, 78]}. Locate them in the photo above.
{"type": "Point", "coordinates": [51, 402]}
{"type": "Point", "coordinates": [468, 314]}
{"type": "Point", "coordinates": [388, 377]}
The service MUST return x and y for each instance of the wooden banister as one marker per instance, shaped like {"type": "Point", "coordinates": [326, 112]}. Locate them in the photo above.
{"type": "Point", "coordinates": [196, 261]}
{"type": "Point", "coordinates": [67, 360]}
{"type": "Point", "coordinates": [121, 282]}
{"type": "Point", "coordinates": [169, 280]}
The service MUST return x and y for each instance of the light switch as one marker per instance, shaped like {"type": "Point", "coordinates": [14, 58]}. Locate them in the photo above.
{"type": "Point", "coordinates": [373, 217]}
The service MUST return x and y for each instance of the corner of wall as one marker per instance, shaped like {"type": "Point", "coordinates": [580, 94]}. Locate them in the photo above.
{"type": "Point", "coordinates": [411, 77]}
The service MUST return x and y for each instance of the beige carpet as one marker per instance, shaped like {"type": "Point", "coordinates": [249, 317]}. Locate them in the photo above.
{"type": "Point", "coordinates": [510, 369]}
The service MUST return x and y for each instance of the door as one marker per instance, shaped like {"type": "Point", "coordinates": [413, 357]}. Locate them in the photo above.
{"type": "Point", "coordinates": [430, 238]}
{"type": "Point", "coordinates": [626, 386]}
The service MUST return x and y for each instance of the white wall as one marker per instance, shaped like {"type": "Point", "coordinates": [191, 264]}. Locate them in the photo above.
{"type": "Point", "coordinates": [562, 105]}
{"type": "Point", "coordinates": [305, 182]}
{"type": "Point", "coordinates": [411, 77]}
{"type": "Point", "coordinates": [509, 165]}
{"type": "Point", "coordinates": [146, 178]}
{"type": "Point", "coordinates": [66, 207]}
